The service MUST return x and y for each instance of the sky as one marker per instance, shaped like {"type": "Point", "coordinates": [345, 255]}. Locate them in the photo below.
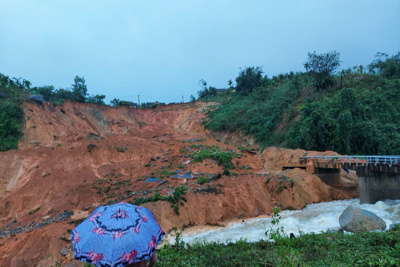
{"type": "Point", "coordinates": [161, 49]}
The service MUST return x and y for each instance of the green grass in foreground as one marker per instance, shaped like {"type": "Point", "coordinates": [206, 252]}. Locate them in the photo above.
{"type": "Point", "coordinates": [327, 249]}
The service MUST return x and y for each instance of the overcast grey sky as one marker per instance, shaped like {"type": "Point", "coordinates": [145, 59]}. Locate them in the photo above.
{"type": "Point", "coordinates": [161, 49]}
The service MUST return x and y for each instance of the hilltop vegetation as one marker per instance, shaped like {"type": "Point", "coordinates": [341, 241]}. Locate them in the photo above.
{"type": "Point", "coordinates": [13, 91]}
{"type": "Point", "coordinates": [350, 112]}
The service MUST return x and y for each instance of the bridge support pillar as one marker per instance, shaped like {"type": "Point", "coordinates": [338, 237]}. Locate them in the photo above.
{"type": "Point", "coordinates": [330, 176]}
{"type": "Point", "coordinates": [378, 183]}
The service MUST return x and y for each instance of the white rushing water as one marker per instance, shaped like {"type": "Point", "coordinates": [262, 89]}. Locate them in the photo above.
{"type": "Point", "coordinates": [315, 218]}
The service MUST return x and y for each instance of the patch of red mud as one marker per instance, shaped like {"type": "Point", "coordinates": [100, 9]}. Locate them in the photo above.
{"type": "Point", "coordinates": [76, 157]}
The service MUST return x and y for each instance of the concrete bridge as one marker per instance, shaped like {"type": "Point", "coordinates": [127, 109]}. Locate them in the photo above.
{"type": "Point", "coordinates": [378, 176]}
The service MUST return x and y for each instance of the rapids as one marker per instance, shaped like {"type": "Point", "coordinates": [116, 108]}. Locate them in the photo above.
{"type": "Point", "coordinates": [314, 218]}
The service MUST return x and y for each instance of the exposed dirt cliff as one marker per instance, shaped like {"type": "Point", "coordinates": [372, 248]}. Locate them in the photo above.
{"type": "Point", "coordinates": [78, 156]}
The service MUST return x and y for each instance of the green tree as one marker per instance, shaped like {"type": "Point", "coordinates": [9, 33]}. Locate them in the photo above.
{"type": "Point", "coordinates": [322, 66]}
{"type": "Point", "coordinates": [314, 129]}
{"type": "Point", "coordinates": [62, 94]}
{"type": "Point", "coordinates": [115, 102]}
{"type": "Point", "coordinates": [230, 83]}
{"type": "Point", "coordinates": [96, 99]}
{"type": "Point", "coordinates": [344, 132]}
{"type": "Point", "coordinates": [248, 79]}
{"type": "Point", "coordinates": [79, 89]}
{"type": "Point", "coordinates": [124, 103]}
{"type": "Point", "coordinates": [206, 92]}
{"type": "Point", "coordinates": [386, 66]}
{"type": "Point", "coordinates": [46, 91]}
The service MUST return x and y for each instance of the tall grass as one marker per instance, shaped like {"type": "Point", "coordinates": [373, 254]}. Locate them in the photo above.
{"type": "Point", "coordinates": [326, 249]}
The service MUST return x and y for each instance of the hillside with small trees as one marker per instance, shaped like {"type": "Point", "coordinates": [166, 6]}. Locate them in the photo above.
{"type": "Point", "coordinates": [353, 111]}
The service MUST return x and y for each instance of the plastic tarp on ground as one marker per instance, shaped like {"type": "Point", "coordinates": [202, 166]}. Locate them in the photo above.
{"type": "Point", "coordinates": [37, 99]}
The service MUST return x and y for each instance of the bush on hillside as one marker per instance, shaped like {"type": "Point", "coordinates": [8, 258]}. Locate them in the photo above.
{"type": "Point", "coordinates": [11, 119]}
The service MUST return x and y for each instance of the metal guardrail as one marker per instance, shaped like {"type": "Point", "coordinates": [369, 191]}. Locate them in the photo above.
{"type": "Point", "coordinates": [395, 159]}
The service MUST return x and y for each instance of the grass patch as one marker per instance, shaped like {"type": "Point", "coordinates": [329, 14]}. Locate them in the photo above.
{"type": "Point", "coordinates": [165, 173]}
{"type": "Point", "coordinates": [177, 199]}
{"type": "Point", "coordinates": [280, 189]}
{"type": "Point", "coordinates": [327, 249]}
{"type": "Point", "coordinates": [202, 180]}
{"type": "Point", "coordinates": [180, 166]}
{"type": "Point", "coordinates": [215, 153]}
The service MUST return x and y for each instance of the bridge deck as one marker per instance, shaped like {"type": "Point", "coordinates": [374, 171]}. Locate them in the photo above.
{"type": "Point", "coordinates": [378, 176]}
{"type": "Point", "coordinates": [358, 160]}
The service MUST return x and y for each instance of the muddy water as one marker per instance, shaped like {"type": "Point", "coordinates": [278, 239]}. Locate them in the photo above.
{"type": "Point", "coordinates": [315, 218]}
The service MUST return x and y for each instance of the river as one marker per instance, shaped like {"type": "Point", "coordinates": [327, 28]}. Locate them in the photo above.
{"type": "Point", "coordinates": [315, 218]}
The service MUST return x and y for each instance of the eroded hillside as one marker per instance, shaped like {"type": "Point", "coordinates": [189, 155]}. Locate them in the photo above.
{"type": "Point", "coordinates": [75, 157]}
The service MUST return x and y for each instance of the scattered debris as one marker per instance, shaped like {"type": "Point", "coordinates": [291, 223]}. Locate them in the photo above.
{"type": "Point", "coordinates": [33, 226]}
{"type": "Point", "coordinates": [64, 252]}
{"type": "Point", "coordinates": [152, 180]}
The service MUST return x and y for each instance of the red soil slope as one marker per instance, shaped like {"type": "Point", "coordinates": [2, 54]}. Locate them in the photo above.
{"type": "Point", "coordinates": [78, 156]}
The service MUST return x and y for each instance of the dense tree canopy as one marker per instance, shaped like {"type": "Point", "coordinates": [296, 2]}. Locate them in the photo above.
{"type": "Point", "coordinates": [248, 79]}
{"type": "Point", "coordinates": [360, 117]}
{"type": "Point", "coordinates": [322, 66]}
{"type": "Point", "coordinates": [386, 66]}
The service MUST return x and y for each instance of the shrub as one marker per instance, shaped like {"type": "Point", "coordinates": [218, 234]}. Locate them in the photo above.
{"type": "Point", "coordinates": [280, 189]}
{"type": "Point", "coordinates": [180, 166]}
{"type": "Point", "coordinates": [165, 173]}
{"type": "Point", "coordinates": [90, 147]}
{"type": "Point", "coordinates": [202, 180]}
{"type": "Point", "coordinates": [177, 199]}
{"type": "Point", "coordinates": [120, 148]}
{"type": "Point", "coordinates": [11, 120]}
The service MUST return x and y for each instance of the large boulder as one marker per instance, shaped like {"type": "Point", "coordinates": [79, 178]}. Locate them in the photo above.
{"type": "Point", "coordinates": [38, 99]}
{"type": "Point", "coordinates": [355, 220]}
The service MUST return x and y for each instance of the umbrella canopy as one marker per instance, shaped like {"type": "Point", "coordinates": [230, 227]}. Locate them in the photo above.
{"type": "Point", "coordinates": [116, 235]}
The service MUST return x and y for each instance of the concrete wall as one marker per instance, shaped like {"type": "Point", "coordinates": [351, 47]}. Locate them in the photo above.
{"type": "Point", "coordinates": [329, 176]}
{"type": "Point", "coordinates": [378, 183]}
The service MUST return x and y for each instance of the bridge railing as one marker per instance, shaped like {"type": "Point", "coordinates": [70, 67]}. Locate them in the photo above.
{"type": "Point", "coordinates": [386, 159]}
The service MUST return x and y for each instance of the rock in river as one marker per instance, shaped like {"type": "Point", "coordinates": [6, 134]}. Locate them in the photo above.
{"type": "Point", "coordinates": [354, 220]}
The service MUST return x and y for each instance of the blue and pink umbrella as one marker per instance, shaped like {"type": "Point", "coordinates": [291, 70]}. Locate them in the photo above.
{"type": "Point", "coordinates": [117, 235]}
